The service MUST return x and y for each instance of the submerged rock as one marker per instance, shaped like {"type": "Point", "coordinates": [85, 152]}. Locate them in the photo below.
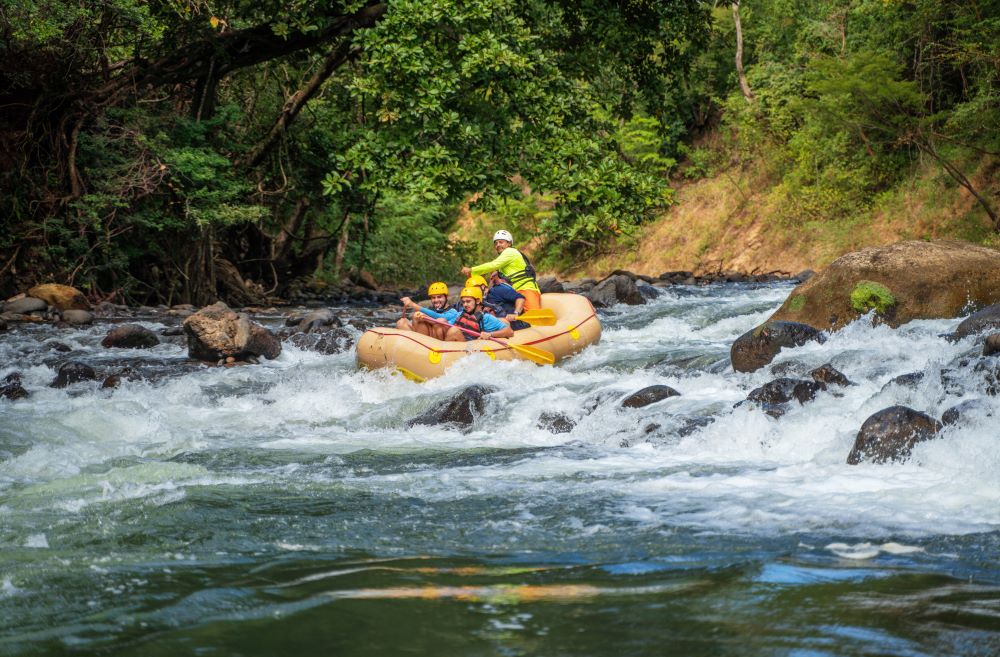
{"type": "Point", "coordinates": [216, 333]}
{"type": "Point", "coordinates": [784, 390]}
{"type": "Point", "coordinates": [460, 411]}
{"type": "Point", "coordinates": [62, 297]}
{"type": "Point", "coordinates": [555, 422]}
{"type": "Point", "coordinates": [962, 412]}
{"type": "Point", "coordinates": [758, 347]}
{"type": "Point", "coordinates": [984, 320]}
{"type": "Point", "coordinates": [900, 282]}
{"type": "Point", "coordinates": [72, 372]}
{"type": "Point", "coordinates": [11, 387]}
{"type": "Point", "coordinates": [890, 434]}
{"type": "Point", "coordinates": [828, 374]}
{"type": "Point", "coordinates": [130, 336]}
{"type": "Point", "coordinates": [909, 380]}
{"type": "Point", "coordinates": [648, 395]}
{"type": "Point", "coordinates": [332, 341]}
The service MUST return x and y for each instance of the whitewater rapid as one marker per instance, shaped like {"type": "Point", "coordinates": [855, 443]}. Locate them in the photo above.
{"type": "Point", "coordinates": [307, 454]}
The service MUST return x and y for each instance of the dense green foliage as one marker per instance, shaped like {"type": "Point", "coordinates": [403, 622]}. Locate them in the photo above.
{"type": "Point", "coordinates": [181, 149]}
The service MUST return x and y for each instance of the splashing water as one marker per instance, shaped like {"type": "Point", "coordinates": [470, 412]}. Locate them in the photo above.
{"type": "Point", "coordinates": [288, 508]}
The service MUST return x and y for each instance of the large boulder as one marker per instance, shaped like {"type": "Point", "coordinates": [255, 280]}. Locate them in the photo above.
{"type": "Point", "coordinates": [460, 411]}
{"type": "Point", "coordinates": [549, 284]}
{"type": "Point", "coordinates": [617, 288]}
{"type": "Point", "coordinates": [130, 336]}
{"type": "Point", "coordinates": [62, 297]}
{"type": "Point", "coordinates": [986, 319]}
{"type": "Point", "coordinates": [900, 282]}
{"type": "Point", "coordinates": [890, 435]}
{"type": "Point", "coordinates": [216, 332]}
{"type": "Point", "coordinates": [758, 347]}
{"type": "Point", "coordinates": [25, 305]}
{"type": "Point", "coordinates": [648, 395]}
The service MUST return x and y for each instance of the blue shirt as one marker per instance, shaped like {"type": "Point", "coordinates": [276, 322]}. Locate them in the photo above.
{"type": "Point", "coordinates": [448, 315]}
{"type": "Point", "coordinates": [504, 296]}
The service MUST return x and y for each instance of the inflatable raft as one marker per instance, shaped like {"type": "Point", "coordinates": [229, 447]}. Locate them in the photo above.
{"type": "Point", "coordinates": [422, 357]}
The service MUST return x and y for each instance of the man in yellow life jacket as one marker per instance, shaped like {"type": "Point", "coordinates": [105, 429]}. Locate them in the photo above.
{"type": "Point", "coordinates": [514, 266]}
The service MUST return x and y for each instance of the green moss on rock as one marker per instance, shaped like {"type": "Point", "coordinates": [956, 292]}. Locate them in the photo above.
{"type": "Point", "coordinates": [797, 303]}
{"type": "Point", "coordinates": [869, 295]}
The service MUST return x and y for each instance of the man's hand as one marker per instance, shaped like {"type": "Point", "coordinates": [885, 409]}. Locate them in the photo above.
{"type": "Point", "coordinates": [485, 335]}
{"type": "Point", "coordinates": [466, 271]}
{"type": "Point", "coordinates": [407, 302]}
{"type": "Point", "coordinates": [418, 315]}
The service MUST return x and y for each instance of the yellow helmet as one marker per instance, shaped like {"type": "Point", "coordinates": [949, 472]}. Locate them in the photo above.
{"type": "Point", "coordinates": [472, 291]}
{"type": "Point", "coordinates": [476, 280]}
{"type": "Point", "coordinates": [437, 288]}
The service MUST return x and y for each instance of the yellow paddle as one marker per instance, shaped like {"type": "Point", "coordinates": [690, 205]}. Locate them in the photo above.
{"type": "Point", "coordinates": [540, 317]}
{"type": "Point", "coordinates": [533, 354]}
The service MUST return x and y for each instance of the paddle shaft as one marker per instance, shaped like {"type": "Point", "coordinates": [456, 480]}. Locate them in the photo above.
{"type": "Point", "coordinates": [535, 354]}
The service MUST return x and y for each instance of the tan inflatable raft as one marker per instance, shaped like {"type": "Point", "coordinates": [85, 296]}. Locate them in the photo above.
{"type": "Point", "coordinates": [421, 357]}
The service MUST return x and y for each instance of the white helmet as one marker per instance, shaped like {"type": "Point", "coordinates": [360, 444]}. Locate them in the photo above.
{"type": "Point", "coordinates": [503, 235]}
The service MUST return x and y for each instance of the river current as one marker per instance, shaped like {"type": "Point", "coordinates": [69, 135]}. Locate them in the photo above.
{"type": "Point", "coordinates": [287, 508]}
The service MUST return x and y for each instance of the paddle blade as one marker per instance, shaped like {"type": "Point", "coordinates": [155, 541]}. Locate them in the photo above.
{"type": "Point", "coordinates": [535, 354]}
{"type": "Point", "coordinates": [540, 317]}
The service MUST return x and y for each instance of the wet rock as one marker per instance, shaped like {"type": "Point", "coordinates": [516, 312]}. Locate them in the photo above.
{"type": "Point", "coordinates": [216, 332]}
{"type": "Point", "coordinates": [130, 336]}
{"type": "Point", "coordinates": [318, 319]}
{"type": "Point", "coordinates": [172, 331]}
{"type": "Point", "coordinates": [900, 282]}
{"type": "Point", "coordinates": [647, 290]}
{"type": "Point", "coordinates": [77, 317]}
{"type": "Point", "coordinates": [890, 434]}
{"type": "Point", "coordinates": [59, 346]}
{"type": "Point", "coordinates": [828, 374]}
{"type": "Point", "coordinates": [3, 324]}
{"type": "Point", "coordinates": [648, 395]}
{"type": "Point", "coordinates": [615, 289]}
{"type": "Point", "coordinates": [182, 313]}
{"type": "Point", "coordinates": [784, 390]}
{"type": "Point", "coordinates": [909, 380]}
{"type": "Point", "coordinates": [72, 372]}
{"type": "Point", "coordinates": [555, 422]}
{"type": "Point", "coordinates": [11, 387]}
{"type": "Point", "coordinates": [25, 306]}
{"type": "Point", "coordinates": [694, 424]}
{"type": "Point", "coordinates": [758, 347]}
{"type": "Point", "coordinates": [460, 411]}
{"type": "Point", "coordinates": [105, 309]}
{"type": "Point", "coordinates": [992, 345]}
{"type": "Point", "coordinates": [964, 411]}
{"type": "Point", "coordinates": [590, 404]}
{"type": "Point", "coordinates": [62, 297]}
{"type": "Point", "coordinates": [332, 341]}
{"type": "Point", "coordinates": [804, 275]}
{"type": "Point", "coordinates": [579, 287]}
{"type": "Point", "coordinates": [987, 319]}
{"type": "Point", "coordinates": [550, 284]}
{"type": "Point", "coordinates": [789, 368]}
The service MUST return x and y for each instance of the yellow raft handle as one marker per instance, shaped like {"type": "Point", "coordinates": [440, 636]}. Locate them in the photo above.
{"type": "Point", "coordinates": [434, 356]}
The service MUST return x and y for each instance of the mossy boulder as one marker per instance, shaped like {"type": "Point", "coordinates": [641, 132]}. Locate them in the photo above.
{"type": "Point", "coordinates": [900, 282]}
{"type": "Point", "coordinates": [62, 297]}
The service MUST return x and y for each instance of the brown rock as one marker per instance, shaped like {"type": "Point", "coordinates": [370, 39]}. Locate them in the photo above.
{"type": "Point", "coordinates": [216, 332]}
{"type": "Point", "coordinates": [890, 435]}
{"type": "Point", "coordinates": [992, 345]}
{"type": "Point", "coordinates": [758, 347]}
{"type": "Point", "coordinates": [130, 336]}
{"type": "Point", "coordinates": [62, 297]}
{"type": "Point", "coordinates": [929, 280]}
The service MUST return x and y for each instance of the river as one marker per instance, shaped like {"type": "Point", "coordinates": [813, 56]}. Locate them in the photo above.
{"type": "Point", "coordinates": [287, 508]}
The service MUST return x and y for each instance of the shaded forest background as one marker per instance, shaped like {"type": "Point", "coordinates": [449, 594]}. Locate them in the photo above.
{"type": "Point", "coordinates": [184, 150]}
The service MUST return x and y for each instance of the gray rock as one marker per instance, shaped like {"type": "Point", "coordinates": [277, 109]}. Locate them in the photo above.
{"type": "Point", "coordinates": [550, 284]}
{"type": "Point", "coordinates": [962, 412]}
{"type": "Point", "coordinates": [890, 434]}
{"type": "Point", "coordinates": [3, 324]}
{"type": "Point", "coordinates": [59, 346]}
{"type": "Point", "coordinates": [72, 372]}
{"type": "Point", "coordinates": [318, 319]}
{"type": "Point", "coordinates": [172, 331]}
{"type": "Point", "coordinates": [647, 290]}
{"type": "Point", "coordinates": [555, 422]}
{"type": "Point", "coordinates": [804, 275]}
{"type": "Point", "coordinates": [986, 319]}
{"type": "Point", "coordinates": [694, 424]}
{"type": "Point", "coordinates": [992, 345]}
{"type": "Point", "coordinates": [591, 403]}
{"type": "Point", "coordinates": [25, 306]}
{"type": "Point", "coordinates": [758, 347]}
{"type": "Point", "coordinates": [828, 374]}
{"type": "Point", "coordinates": [460, 411]}
{"type": "Point", "coordinates": [615, 289]}
{"type": "Point", "coordinates": [77, 317]}
{"type": "Point", "coordinates": [130, 336]}
{"type": "Point", "coordinates": [784, 390]}
{"type": "Point", "coordinates": [909, 380]}
{"type": "Point", "coordinates": [648, 395]}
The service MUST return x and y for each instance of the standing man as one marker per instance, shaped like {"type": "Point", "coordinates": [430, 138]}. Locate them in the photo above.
{"type": "Point", "coordinates": [514, 266]}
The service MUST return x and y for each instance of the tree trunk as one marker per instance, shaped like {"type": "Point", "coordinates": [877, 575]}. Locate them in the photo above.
{"type": "Point", "coordinates": [338, 258]}
{"type": "Point", "coordinates": [744, 85]}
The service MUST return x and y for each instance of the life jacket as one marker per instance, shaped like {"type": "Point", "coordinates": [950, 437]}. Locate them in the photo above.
{"type": "Point", "coordinates": [471, 322]}
{"type": "Point", "coordinates": [523, 276]}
